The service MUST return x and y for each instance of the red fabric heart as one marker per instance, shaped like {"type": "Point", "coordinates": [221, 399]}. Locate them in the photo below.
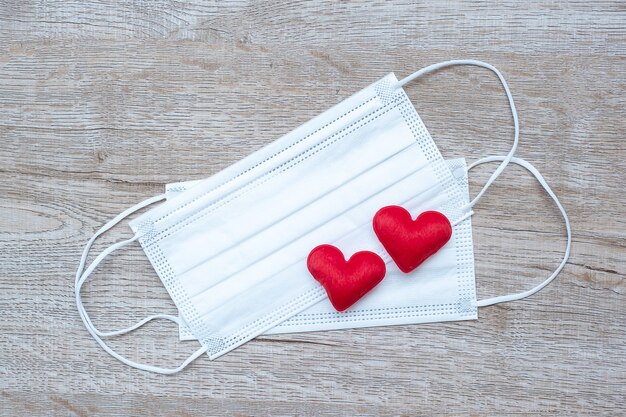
{"type": "Point", "coordinates": [410, 242]}
{"type": "Point", "coordinates": [345, 282]}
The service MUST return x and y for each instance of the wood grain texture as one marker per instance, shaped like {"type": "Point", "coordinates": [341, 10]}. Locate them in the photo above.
{"type": "Point", "coordinates": [102, 104]}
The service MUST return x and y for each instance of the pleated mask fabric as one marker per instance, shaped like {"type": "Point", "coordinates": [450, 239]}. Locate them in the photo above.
{"type": "Point", "coordinates": [441, 289]}
{"type": "Point", "coordinates": [232, 250]}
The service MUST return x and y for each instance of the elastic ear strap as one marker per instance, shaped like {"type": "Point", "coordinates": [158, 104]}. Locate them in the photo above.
{"type": "Point", "coordinates": [112, 223]}
{"type": "Point", "coordinates": [445, 64]}
{"type": "Point", "coordinates": [546, 187]}
{"type": "Point", "coordinates": [81, 277]}
{"type": "Point", "coordinates": [87, 248]}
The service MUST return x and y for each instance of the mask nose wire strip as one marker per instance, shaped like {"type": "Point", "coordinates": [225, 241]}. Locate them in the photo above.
{"type": "Point", "coordinates": [81, 277]}
{"type": "Point", "coordinates": [546, 187]}
{"type": "Point", "coordinates": [507, 158]}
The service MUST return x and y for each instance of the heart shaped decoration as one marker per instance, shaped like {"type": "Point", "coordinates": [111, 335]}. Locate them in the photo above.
{"type": "Point", "coordinates": [345, 282]}
{"type": "Point", "coordinates": [410, 242]}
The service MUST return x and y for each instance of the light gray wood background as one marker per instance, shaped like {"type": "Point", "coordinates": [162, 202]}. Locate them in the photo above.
{"type": "Point", "coordinates": [102, 104]}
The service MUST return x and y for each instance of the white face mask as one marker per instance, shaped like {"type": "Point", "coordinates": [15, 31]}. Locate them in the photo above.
{"type": "Point", "coordinates": [232, 250]}
{"type": "Point", "coordinates": [441, 289]}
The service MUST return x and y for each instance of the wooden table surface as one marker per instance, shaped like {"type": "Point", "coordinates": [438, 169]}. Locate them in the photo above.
{"type": "Point", "coordinates": [101, 105]}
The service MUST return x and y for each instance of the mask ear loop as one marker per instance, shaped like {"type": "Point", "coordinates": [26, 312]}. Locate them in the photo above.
{"type": "Point", "coordinates": [507, 158]}
{"type": "Point", "coordinates": [87, 248]}
{"type": "Point", "coordinates": [81, 277]}
{"type": "Point", "coordinates": [546, 187]}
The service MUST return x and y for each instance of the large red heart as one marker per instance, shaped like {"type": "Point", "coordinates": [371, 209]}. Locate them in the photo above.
{"type": "Point", "coordinates": [410, 242]}
{"type": "Point", "coordinates": [345, 282]}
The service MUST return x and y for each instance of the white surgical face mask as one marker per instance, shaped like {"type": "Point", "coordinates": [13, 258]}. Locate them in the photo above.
{"type": "Point", "coordinates": [441, 289]}
{"type": "Point", "coordinates": [231, 251]}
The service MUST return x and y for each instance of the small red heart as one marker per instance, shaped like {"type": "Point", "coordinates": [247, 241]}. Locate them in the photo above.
{"type": "Point", "coordinates": [410, 242]}
{"type": "Point", "coordinates": [345, 282]}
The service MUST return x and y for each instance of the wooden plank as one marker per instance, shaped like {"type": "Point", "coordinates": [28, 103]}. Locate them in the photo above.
{"type": "Point", "coordinates": [101, 105]}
